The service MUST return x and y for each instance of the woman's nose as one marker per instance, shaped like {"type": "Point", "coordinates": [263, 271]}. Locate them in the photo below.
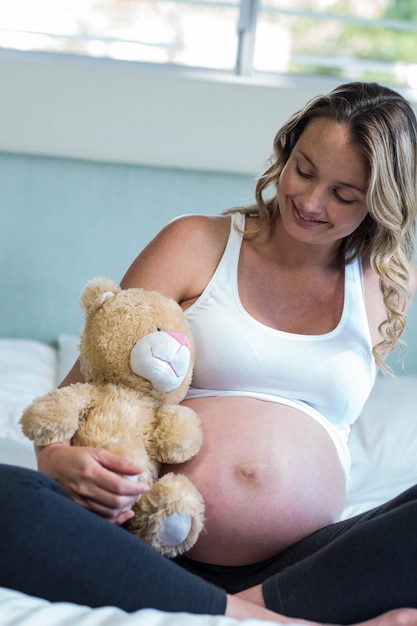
{"type": "Point", "coordinates": [314, 199]}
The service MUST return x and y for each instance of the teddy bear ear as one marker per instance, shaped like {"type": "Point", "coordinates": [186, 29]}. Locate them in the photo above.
{"type": "Point", "coordinates": [96, 292]}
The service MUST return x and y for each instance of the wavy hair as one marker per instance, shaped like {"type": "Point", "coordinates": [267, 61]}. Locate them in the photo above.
{"type": "Point", "coordinates": [383, 126]}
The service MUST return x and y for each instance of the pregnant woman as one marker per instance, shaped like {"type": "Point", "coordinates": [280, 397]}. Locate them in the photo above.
{"type": "Point", "coordinates": [294, 303]}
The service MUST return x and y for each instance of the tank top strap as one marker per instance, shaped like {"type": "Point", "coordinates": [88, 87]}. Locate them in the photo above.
{"type": "Point", "coordinates": [231, 254]}
{"type": "Point", "coordinates": [226, 273]}
{"type": "Point", "coordinates": [354, 308]}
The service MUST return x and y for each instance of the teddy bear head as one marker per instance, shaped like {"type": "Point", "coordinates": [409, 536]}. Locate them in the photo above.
{"type": "Point", "coordinates": [136, 338]}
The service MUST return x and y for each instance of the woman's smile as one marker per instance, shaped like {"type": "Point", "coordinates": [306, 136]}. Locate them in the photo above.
{"type": "Point", "coordinates": [304, 220]}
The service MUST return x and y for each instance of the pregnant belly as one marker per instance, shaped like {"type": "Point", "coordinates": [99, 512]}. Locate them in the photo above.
{"type": "Point", "coordinates": [269, 475]}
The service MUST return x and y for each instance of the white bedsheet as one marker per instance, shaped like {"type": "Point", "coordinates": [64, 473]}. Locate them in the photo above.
{"type": "Point", "coordinates": [17, 609]}
{"type": "Point", "coordinates": [384, 462]}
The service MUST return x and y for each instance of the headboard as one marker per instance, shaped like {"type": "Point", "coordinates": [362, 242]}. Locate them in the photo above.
{"type": "Point", "coordinates": [65, 221]}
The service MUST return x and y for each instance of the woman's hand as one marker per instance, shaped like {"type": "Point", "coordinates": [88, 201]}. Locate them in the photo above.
{"type": "Point", "coordinates": [94, 478]}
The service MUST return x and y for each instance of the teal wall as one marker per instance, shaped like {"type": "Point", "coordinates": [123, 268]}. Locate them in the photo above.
{"type": "Point", "coordinates": [64, 221]}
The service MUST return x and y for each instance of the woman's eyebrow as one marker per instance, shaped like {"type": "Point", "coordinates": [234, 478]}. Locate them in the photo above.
{"type": "Point", "coordinates": [307, 158]}
{"type": "Point", "coordinates": [339, 182]}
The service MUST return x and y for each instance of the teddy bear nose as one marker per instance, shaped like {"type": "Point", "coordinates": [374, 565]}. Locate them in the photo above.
{"type": "Point", "coordinates": [182, 339]}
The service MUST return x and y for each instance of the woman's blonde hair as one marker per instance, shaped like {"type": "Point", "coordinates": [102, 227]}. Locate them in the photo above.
{"type": "Point", "coordinates": [383, 125]}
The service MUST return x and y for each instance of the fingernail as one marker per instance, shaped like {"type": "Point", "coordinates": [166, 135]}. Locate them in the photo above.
{"type": "Point", "coordinates": [133, 478]}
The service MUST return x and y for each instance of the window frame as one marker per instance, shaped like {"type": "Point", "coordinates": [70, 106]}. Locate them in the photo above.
{"type": "Point", "coordinates": [247, 23]}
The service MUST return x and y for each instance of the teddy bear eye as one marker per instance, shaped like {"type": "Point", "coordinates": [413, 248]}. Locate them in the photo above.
{"type": "Point", "coordinates": [158, 329]}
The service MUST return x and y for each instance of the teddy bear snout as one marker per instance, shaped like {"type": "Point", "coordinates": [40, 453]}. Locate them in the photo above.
{"type": "Point", "coordinates": [163, 358]}
{"type": "Point", "coordinates": [182, 339]}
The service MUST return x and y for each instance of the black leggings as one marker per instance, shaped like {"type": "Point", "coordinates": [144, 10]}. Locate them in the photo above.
{"type": "Point", "coordinates": [344, 573]}
{"type": "Point", "coordinates": [52, 548]}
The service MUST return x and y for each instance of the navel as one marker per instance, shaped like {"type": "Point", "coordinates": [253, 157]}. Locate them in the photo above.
{"type": "Point", "coordinates": [247, 473]}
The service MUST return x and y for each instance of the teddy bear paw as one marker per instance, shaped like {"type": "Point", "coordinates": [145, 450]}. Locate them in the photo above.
{"type": "Point", "coordinates": [175, 529]}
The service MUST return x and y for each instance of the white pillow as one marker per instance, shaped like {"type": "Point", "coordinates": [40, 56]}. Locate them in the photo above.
{"type": "Point", "coordinates": [372, 485]}
{"type": "Point", "coordinates": [387, 427]}
{"type": "Point", "coordinates": [27, 369]}
{"type": "Point", "coordinates": [67, 354]}
{"type": "Point", "coordinates": [17, 453]}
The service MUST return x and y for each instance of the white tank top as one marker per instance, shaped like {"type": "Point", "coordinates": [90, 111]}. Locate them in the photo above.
{"type": "Point", "coordinates": [328, 376]}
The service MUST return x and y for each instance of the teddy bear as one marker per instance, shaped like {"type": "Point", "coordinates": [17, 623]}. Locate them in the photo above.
{"type": "Point", "coordinates": [136, 357]}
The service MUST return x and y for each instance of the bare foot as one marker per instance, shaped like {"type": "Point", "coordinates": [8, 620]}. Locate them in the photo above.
{"type": "Point", "coordinates": [241, 609]}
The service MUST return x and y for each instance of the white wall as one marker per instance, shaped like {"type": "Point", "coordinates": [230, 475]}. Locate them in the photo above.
{"type": "Point", "coordinates": [124, 112]}
{"type": "Point", "coordinates": [63, 220]}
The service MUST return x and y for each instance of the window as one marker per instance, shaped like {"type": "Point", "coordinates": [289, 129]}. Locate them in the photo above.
{"type": "Point", "coordinates": [372, 40]}
{"type": "Point", "coordinates": [198, 33]}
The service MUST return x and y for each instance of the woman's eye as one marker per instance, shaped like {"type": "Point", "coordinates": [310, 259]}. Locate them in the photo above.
{"type": "Point", "coordinates": [302, 174]}
{"type": "Point", "coordinates": [343, 200]}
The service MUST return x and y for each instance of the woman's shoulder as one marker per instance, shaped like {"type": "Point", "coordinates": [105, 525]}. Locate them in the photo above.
{"type": "Point", "coordinates": [371, 274]}
{"type": "Point", "coordinates": [198, 225]}
{"type": "Point", "coordinates": [182, 257]}
{"type": "Point", "coordinates": [196, 238]}
{"type": "Point", "coordinates": [372, 287]}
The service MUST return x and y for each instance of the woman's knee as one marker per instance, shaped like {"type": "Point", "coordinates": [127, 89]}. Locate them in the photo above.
{"type": "Point", "coordinates": [18, 485]}
{"type": "Point", "coordinates": [411, 494]}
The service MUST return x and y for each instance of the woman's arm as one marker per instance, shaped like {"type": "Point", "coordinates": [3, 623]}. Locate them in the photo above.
{"type": "Point", "coordinates": [179, 262]}
{"type": "Point", "coordinates": [181, 259]}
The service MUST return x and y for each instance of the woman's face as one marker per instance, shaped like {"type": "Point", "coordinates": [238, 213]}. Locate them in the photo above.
{"type": "Point", "coordinates": [322, 188]}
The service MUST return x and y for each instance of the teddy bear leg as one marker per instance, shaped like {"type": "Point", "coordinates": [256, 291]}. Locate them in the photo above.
{"type": "Point", "coordinates": [175, 529]}
{"type": "Point", "coordinates": [170, 516]}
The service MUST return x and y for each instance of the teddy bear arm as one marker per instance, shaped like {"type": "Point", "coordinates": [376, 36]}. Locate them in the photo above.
{"type": "Point", "coordinates": [177, 436]}
{"type": "Point", "coordinates": [54, 417]}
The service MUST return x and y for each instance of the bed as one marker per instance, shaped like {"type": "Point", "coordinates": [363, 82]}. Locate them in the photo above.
{"type": "Point", "coordinates": [383, 445]}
